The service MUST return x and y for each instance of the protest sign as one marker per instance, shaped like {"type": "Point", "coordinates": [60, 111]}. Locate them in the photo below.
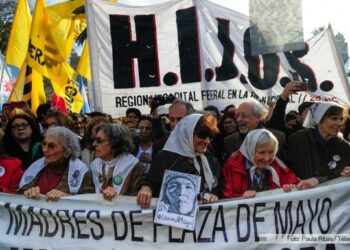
{"type": "Point", "coordinates": [178, 202]}
{"type": "Point", "coordinates": [89, 222]}
{"type": "Point", "coordinates": [199, 52]}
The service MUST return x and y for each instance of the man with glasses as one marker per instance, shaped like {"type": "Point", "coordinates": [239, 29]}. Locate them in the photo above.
{"type": "Point", "coordinates": [250, 116]}
{"type": "Point", "coordinates": [177, 110]}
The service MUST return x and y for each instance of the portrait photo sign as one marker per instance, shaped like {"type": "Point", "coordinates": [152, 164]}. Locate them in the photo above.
{"type": "Point", "coordinates": [177, 205]}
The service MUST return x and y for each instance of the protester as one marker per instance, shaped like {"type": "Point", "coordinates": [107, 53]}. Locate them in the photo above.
{"type": "Point", "coordinates": [229, 108]}
{"type": "Point", "coordinates": [78, 125]}
{"type": "Point", "coordinates": [56, 118]}
{"type": "Point", "coordinates": [255, 167]}
{"type": "Point", "coordinates": [10, 172]}
{"type": "Point", "coordinates": [22, 139]}
{"type": "Point", "coordinates": [318, 153]}
{"type": "Point", "coordinates": [250, 115]}
{"type": "Point", "coordinates": [213, 110]}
{"type": "Point", "coordinates": [278, 121]}
{"type": "Point", "coordinates": [41, 112]}
{"type": "Point", "coordinates": [177, 110]}
{"type": "Point", "coordinates": [227, 126]}
{"type": "Point", "coordinates": [144, 143]}
{"type": "Point", "coordinates": [291, 119]}
{"type": "Point", "coordinates": [186, 151]}
{"type": "Point", "coordinates": [88, 153]}
{"type": "Point", "coordinates": [133, 114]}
{"type": "Point", "coordinates": [115, 171]}
{"type": "Point", "coordinates": [59, 173]}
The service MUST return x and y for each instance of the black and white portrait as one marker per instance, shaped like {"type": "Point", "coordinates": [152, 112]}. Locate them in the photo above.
{"type": "Point", "coordinates": [178, 197]}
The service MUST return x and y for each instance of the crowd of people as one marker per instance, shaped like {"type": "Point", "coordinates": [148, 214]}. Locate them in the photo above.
{"type": "Point", "coordinates": [237, 152]}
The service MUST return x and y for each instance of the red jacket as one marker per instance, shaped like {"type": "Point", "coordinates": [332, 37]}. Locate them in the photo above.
{"type": "Point", "coordinates": [10, 174]}
{"type": "Point", "coordinates": [236, 177]}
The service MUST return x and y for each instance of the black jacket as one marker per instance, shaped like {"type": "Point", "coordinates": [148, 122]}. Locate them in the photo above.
{"type": "Point", "coordinates": [307, 157]}
{"type": "Point", "coordinates": [166, 160]}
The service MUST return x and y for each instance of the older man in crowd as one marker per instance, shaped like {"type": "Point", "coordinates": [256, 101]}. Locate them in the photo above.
{"type": "Point", "coordinates": [178, 110]}
{"type": "Point", "coordinates": [250, 116]}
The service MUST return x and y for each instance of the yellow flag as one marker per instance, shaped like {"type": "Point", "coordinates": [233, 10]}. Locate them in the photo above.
{"type": "Point", "coordinates": [43, 54]}
{"type": "Point", "coordinates": [70, 93]}
{"type": "Point", "coordinates": [29, 87]}
{"type": "Point", "coordinates": [83, 67]}
{"type": "Point", "coordinates": [19, 36]}
{"type": "Point", "coordinates": [67, 23]}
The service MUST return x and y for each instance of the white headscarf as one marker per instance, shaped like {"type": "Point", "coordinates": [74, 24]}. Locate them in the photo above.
{"type": "Point", "coordinates": [316, 112]}
{"type": "Point", "coordinates": [180, 141]}
{"type": "Point", "coordinates": [248, 150]}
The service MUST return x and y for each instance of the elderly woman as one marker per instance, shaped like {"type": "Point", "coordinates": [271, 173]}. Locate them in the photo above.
{"type": "Point", "coordinates": [59, 173]}
{"type": "Point", "coordinates": [115, 171]}
{"type": "Point", "coordinates": [319, 153]}
{"type": "Point", "coordinates": [255, 167]}
{"type": "Point", "coordinates": [22, 139]}
{"type": "Point", "coordinates": [186, 151]}
{"type": "Point", "coordinates": [88, 153]}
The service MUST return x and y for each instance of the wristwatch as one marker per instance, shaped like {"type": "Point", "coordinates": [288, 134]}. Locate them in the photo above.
{"type": "Point", "coordinates": [206, 196]}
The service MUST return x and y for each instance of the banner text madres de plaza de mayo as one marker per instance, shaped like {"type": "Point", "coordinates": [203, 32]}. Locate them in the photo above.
{"type": "Point", "coordinates": [88, 221]}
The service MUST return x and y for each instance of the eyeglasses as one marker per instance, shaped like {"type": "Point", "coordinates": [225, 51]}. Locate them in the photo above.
{"type": "Point", "coordinates": [204, 135]}
{"type": "Point", "coordinates": [20, 126]}
{"type": "Point", "coordinates": [99, 140]}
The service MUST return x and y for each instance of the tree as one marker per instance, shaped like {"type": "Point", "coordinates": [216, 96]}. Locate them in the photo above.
{"type": "Point", "coordinates": [318, 30]}
{"type": "Point", "coordinates": [343, 46]}
{"type": "Point", "coordinates": [7, 10]}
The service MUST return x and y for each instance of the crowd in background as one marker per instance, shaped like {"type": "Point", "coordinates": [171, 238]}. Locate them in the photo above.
{"type": "Point", "coordinates": [238, 151]}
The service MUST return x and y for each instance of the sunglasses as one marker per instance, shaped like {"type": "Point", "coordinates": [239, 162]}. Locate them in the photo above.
{"type": "Point", "coordinates": [204, 135]}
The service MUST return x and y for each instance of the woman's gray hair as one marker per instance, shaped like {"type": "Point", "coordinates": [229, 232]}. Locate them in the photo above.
{"type": "Point", "coordinates": [119, 137]}
{"type": "Point", "coordinates": [69, 140]}
{"type": "Point", "coordinates": [267, 138]}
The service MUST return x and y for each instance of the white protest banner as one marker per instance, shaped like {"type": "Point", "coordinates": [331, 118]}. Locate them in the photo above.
{"type": "Point", "coordinates": [87, 222]}
{"type": "Point", "coordinates": [199, 52]}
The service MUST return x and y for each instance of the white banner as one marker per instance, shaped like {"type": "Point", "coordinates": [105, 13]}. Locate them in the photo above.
{"type": "Point", "coordinates": [313, 219]}
{"type": "Point", "coordinates": [200, 52]}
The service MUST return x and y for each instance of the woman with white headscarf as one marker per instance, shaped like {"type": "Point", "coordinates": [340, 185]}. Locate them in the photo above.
{"type": "Point", "coordinates": [255, 167]}
{"type": "Point", "coordinates": [317, 153]}
{"type": "Point", "coordinates": [186, 151]}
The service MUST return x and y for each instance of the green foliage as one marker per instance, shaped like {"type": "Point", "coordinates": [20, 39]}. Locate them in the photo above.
{"type": "Point", "coordinates": [7, 9]}
{"type": "Point", "coordinates": [343, 46]}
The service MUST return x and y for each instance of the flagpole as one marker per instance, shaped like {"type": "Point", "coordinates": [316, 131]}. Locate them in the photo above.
{"type": "Point", "coordinates": [2, 76]}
